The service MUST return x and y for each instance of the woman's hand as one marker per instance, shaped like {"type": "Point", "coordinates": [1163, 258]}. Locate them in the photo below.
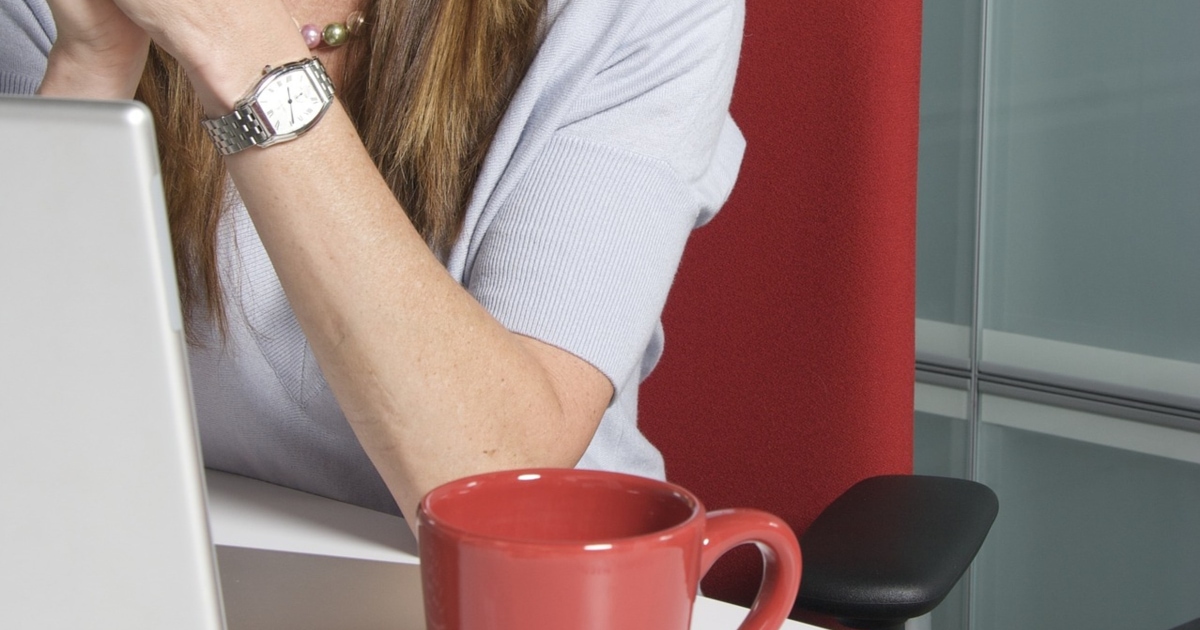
{"type": "Point", "coordinates": [98, 53]}
{"type": "Point", "coordinates": [223, 45]}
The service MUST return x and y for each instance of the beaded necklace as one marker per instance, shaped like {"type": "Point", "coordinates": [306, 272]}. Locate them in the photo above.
{"type": "Point", "coordinates": [334, 34]}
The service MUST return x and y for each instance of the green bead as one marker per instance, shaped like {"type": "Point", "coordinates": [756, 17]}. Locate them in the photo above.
{"type": "Point", "coordinates": [334, 34]}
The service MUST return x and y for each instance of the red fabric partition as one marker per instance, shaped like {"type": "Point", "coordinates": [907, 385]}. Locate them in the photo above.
{"type": "Point", "coordinates": [788, 370]}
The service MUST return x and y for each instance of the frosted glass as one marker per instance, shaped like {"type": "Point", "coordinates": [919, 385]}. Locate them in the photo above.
{"type": "Point", "coordinates": [948, 167]}
{"type": "Point", "coordinates": [940, 447]}
{"type": "Point", "coordinates": [940, 440]}
{"type": "Point", "coordinates": [1092, 192]}
{"type": "Point", "coordinates": [1097, 525]}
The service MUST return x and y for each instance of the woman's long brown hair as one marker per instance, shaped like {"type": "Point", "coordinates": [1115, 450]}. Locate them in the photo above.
{"type": "Point", "coordinates": [426, 85]}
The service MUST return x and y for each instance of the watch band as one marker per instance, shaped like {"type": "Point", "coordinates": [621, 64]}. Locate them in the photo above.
{"type": "Point", "coordinates": [243, 128]}
{"type": "Point", "coordinates": [236, 131]}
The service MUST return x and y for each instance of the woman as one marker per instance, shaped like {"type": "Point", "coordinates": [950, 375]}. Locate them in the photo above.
{"type": "Point", "coordinates": [460, 264]}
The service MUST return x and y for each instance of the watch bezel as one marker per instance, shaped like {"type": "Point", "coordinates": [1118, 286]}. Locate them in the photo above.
{"type": "Point", "coordinates": [248, 126]}
{"type": "Point", "coordinates": [310, 67]}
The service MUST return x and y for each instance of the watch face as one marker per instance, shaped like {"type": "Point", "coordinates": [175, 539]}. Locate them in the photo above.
{"type": "Point", "coordinates": [289, 102]}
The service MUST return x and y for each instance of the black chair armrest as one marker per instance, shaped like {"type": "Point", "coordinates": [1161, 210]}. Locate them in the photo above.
{"type": "Point", "coordinates": [891, 548]}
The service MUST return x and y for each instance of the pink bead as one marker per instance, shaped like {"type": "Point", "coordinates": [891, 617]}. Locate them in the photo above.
{"type": "Point", "coordinates": [312, 35]}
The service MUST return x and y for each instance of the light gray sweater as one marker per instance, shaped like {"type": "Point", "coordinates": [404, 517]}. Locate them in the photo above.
{"type": "Point", "coordinates": [617, 144]}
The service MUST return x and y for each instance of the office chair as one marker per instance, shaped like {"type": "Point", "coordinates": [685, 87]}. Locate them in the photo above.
{"type": "Point", "coordinates": [787, 377]}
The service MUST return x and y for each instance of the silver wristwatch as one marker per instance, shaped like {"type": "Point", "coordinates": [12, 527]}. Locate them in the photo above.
{"type": "Point", "coordinates": [284, 104]}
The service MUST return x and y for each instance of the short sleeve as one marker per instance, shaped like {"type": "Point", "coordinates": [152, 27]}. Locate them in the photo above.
{"type": "Point", "coordinates": [665, 93]}
{"type": "Point", "coordinates": [584, 249]}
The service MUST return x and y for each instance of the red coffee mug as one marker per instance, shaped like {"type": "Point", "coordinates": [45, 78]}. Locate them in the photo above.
{"type": "Point", "coordinates": [562, 549]}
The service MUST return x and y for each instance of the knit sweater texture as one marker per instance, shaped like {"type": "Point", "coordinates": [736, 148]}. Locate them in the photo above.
{"type": "Point", "coordinates": [617, 144]}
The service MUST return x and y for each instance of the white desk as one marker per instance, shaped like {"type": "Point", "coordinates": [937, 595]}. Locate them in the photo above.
{"type": "Point", "coordinates": [294, 561]}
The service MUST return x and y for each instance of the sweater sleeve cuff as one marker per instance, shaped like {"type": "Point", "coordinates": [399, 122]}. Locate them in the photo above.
{"type": "Point", "coordinates": [11, 83]}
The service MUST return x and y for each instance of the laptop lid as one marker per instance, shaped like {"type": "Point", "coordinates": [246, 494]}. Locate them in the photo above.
{"type": "Point", "coordinates": [103, 522]}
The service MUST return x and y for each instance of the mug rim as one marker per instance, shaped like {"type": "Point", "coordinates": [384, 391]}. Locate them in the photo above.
{"type": "Point", "coordinates": [426, 517]}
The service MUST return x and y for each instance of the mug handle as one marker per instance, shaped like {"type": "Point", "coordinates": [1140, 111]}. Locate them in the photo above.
{"type": "Point", "coordinates": [726, 529]}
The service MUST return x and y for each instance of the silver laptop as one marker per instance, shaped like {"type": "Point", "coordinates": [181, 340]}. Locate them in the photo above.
{"type": "Point", "coordinates": [102, 505]}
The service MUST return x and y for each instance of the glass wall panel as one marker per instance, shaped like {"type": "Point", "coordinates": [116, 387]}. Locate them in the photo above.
{"type": "Point", "coordinates": [1091, 195]}
{"type": "Point", "coordinates": [941, 446]}
{"type": "Point", "coordinates": [948, 171]}
{"type": "Point", "coordinates": [941, 442]}
{"type": "Point", "coordinates": [1098, 520]}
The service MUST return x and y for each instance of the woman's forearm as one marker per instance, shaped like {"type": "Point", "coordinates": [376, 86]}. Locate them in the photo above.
{"type": "Point", "coordinates": [434, 387]}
